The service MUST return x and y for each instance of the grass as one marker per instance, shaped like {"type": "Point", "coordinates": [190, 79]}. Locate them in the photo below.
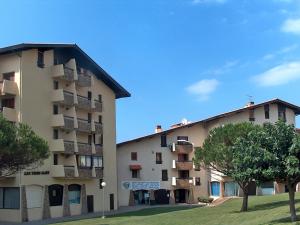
{"type": "Point", "coordinates": [262, 210]}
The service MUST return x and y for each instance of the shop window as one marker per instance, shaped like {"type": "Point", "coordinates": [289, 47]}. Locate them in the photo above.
{"type": "Point", "coordinates": [55, 194]}
{"type": "Point", "coordinates": [74, 193]}
{"type": "Point", "coordinates": [9, 198]}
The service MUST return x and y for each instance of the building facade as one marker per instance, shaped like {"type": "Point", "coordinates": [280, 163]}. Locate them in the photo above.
{"type": "Point", "coordinates": [158, 168]}
{"type": "Point", "coordinates": [69, 100]}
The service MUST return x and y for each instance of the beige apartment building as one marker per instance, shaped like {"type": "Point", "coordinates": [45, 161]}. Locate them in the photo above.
{"type": "Point", "coordinates": [68, 100]}
{"type": "Point", "coordinates": [158, 168]}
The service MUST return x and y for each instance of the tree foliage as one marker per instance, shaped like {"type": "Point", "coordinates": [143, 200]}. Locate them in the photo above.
{"type": "Point", "coordinates": [20, 147]}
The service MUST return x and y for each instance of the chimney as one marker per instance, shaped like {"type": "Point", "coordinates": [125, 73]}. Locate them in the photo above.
{"type": "Point", "coordinates": [158, 129]}
{"type": "Point", "coordinates": [251, 103]}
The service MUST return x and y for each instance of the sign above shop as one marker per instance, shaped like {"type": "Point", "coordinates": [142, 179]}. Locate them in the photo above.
{"type": "Point", "coordinates": [140, 185]}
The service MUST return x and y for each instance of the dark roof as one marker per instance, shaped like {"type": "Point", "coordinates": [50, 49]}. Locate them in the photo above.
{"type": "Point", "coordinates": [273, 101]}
{"type": "Point", "coordinates": [100, 73]}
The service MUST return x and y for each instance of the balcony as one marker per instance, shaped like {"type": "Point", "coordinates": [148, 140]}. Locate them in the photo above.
{"type": "Point", "coordinates": [183, 183]}
{"type": "Point", "coordinates": [63, 72]}
{"type": "Point", "coordinates": [98, 150]}
{"type": "Point", "coordinates": [63, 122]}
{"type": "Point", "coordinates": [61, 171]}
{"type": "Point", "coordinates": [84, 80]}
{"type": "Point", "coordinates": [84, 148]}
{"type": "Point", "coordinates": [85, 173]}
{"type": "Point", "coordinates": [184, 165]}
{"type": "Point", "coordinates": [98, 128]}
{"type": "Point", "coordinates": [8, 87]}
{"type": "Point", "coordinates": [84, 126]}
{"type": "Point", "coordinates": [84, 103]}
{"type": "Point", "coordinates": [182, 147]}
{"type": "Point", "coordinates": [98, 106]}
{"type": "Point", "coordinates": [99, 172]}
{"type": "Point", "coordinates": [9, 113]}
{"type": "Point", "coordinates": [63, 97]}
{"type": "Point", "coordinates": [63, 146]}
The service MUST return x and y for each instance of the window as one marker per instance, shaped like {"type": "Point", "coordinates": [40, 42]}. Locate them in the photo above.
{"type": "Point", "coordinates": [98, 161]}
{"type": "Point", "coordinates": [55, 192]}
{"type": "Point", "coordinates": [182, 138]}
{"type": "Point", "coordinates": [34, 196]}
{"type": "Point", "coordinates": [55, 133]}
{"type": "Point", "coordinates": [85, 161]}
{"type": "Point", "coordinates": [183, 174]}
{"type": "Point", "coordinates": [94, 138]}
{"type": "Point", "coordinates": [100, 119]}
{"type": "Point", "coordinates": [55, 159]}
{"type": "Point", "coordinates": [134, 156]}
{"type": "Point", "coordinates": [251, 115]}
{"type": "Point", "coordinates": [281, 112]}
{"type": "Point", "coordinates": [163, 140]}
{"type": "Point", "coordinates": [101, 139]}
{"type": "Point", "coordinates": [55, 85]}
{"type": "Point", "coordinates": [100, 98]}
{"type": "Point", "coordinates": [164, 175]}
{"type": "Point", "coordinates": [90, 137]}
{"type": "Point", "coordinates": [183, 157]}
{"type": "Point", "coordinates": [197, 181]}
{"type": "Point", "coordinates": [9, 198]}
{"type": "Point", "coordinates": [40, 59]}
{"type": "Point", "coordinates": [89, 117]}
{"type": "Point", "coordinates": [9, 76]}
{"type": "Point", "coordinates": [55, 109]}
{"type": "Point", "coordinates": [197, 167]}
{"type": "Point", "coordinates": [158, 158]}
{"type": "Point", "coordinates": [267, 111]}
{"type": "Point", "coordinates": [135, 173]}
{"type": "Point", "coordinates": [89, 95]}
{"type": "Point", "coordinates": [74, 193]}
{"type": "Point", "coordinates": [9, 103]}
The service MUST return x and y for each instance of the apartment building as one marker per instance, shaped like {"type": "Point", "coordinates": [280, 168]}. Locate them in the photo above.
{"type": "Point", "coordinates": [68, 100]}
{"type": "Point", "coordinates": [158, 168]}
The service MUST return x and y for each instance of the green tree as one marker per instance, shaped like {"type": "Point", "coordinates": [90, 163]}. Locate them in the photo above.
{"type": "Point", "coordinates": [284, 144]}
{"type": "Point", "coordinates": [235, 151]}
{"type": "Point", "coordinates": [20, 148]}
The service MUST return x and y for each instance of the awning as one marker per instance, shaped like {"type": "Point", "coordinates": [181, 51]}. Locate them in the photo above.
{"type": "Point", "coordinates": [135, 167]}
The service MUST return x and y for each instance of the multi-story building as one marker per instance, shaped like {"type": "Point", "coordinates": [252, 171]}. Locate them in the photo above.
{"type": "Point", "coordinates": [158, 168]}
{"type": "Point", "coordinates": [68, 100]}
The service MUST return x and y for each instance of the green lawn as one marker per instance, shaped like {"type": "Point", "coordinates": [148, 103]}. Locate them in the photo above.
{"type": "Point", "coordinates": [262, 210]}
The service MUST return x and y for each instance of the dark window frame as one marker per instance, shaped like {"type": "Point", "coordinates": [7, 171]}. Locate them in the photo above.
{"type": "Point", "coordinates": [2, 205]}
{"type": "Point", "coordinates": [135, 174]}
{"type": "Point", "coordinates": [197, 181]}
{"type": "Point", "coordinates": [133, 156]}
{"type": "Point", "coordinates": [267, 111]}
{"type": "Point", "coordinates": [164, 175]}
{"type": "Point", "coordinates": [163, 140]}
{"type": "Point", "coordinates": [59, 191]}
{"type": "Point", "coordinates": [158, 158]}
{"type": "Point", "coordinates": [41, 59]}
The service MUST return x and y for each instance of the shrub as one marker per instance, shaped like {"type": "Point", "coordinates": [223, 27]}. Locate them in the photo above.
{"type": "Point", "coordinates": [204, 199]}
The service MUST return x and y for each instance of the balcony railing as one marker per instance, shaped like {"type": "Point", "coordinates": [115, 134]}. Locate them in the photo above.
{"type": "Point", "coordinates": [85, 172]}
{"type": "Point", "coordinates": [69, 147]}
{"type": "Point", "coordinates": [84, 80]}
{"type": "Point", "coordinates": [68, 98]}
{"type": "Point", "coordinates": [98, 106]}
{"type": "Point", "coordinates": [69, 171]}
{"type": "Point", "coordinates": [9, 113]}
{"type": "Point", "coordinates": [184, 165]}
{"type": "Point", "coordinates": [68, 74]}
{"type": "Point", "coordinates": [69, 123]}
{"type": "Point", "coordinates": [184, 182]}
{"type": "Point", "coordinates": [98, 128]}
{"type": "Point", "coordinates": [84, 103]}
{"type": "Point", "coordinates": [84, 148]}
{"type": "Point", "coordinates": [99, 150]}
{"type": "Point", "coordinates": [183, 148]}
{"type": "Point", "coordinates": [8, 87]}
{"type": "Point", "coordinates": [84, 125]}
{"type": "Point", "coordinates": [99, 172]}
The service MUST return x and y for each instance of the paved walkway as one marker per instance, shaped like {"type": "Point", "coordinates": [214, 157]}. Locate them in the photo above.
{"type": "Point", "coordinates": [121, 210]}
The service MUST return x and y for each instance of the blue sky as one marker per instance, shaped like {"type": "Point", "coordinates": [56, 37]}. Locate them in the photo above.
{"type": "Point", "coordinates": [178, 58]}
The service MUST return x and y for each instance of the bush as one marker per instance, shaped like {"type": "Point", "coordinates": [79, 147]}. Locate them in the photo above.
{"type": "Point", "coordinates": [204, 199]}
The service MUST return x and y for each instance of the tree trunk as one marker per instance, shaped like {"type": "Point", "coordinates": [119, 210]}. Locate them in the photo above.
{"type": "Point", "coordinates": [292, 201]}
{"type": "Point", "coordinates": [245, 202]}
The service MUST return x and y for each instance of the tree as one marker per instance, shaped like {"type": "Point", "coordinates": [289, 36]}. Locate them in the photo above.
{"type": "Point", "coordinates": [284, 144]}
{"type": "Point", "coordinates": [20, 148]}
{"type": "Point", "coordinates": [234, 150]}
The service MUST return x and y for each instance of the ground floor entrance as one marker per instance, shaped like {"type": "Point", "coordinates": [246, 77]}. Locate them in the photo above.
{"type": "Point", "coordinates": [141, 197]}
{"type": "Point", "coordinates": [231, 189]}
{"type": "Point", "coordinates": [162, 196]}
{"type": "Point", "coordinates": [181, 195]}
{"type": "Point", "coordinates": [215, 188]}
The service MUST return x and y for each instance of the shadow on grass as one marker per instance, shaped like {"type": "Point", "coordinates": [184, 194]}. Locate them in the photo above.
{"type": "Point", "coordinates": [154, 211]}
{"type": "Point", "coordinates": [270, 205]}
{"type": "Point", "coordinates": [285, 220]}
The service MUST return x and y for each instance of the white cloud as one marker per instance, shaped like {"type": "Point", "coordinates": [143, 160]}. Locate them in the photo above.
{"type": "Point", "coordinates": [279, 75]}
{"type": "Point", "coordinates": [197, 2]}
{"type": "Point", "coordinates": [203, 88]}
{"type": "Point", "coordinates": [282, 51]}
{"type": "Point", "coordinates": [291, 26]}
{"type": "Point", "coordinates": [225, 68]}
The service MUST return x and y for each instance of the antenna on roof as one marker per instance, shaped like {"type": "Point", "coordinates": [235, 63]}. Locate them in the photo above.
{"type": "Point", "coordinates": [250, 101]}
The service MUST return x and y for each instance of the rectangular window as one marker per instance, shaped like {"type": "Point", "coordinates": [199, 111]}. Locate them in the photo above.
{"type": "Point", "coordinates": [164, 175]}
{"type": "Point", "coordinates": [100, 119]}
{"type": "Point", "coordinates": [182, 138]}
{"type": "Point", "coordinates": [85, 161]}
{"type": "Point", "coordinates": [94, 138]}
{"type": "Point", "coordinates": [55, 159]}
{"type": "Point", "coordinates": [90, 137]}
{"type": "Point", "coordinates": [183, 174]}
{"type": "Point", "coordinates": [197, 181]}
{"type": "Point", "coordinates": [100, 98]}
{"type": "Point", "coordinates": [9, 103]}
{"type": "Point", "coordinates": [40, 59]}
{"type": "Point", "coordinates": [55, 133]}
{"type": "Point", "coordinates": [89, 95]}
{"type": "Point", "coordinates": [281, 113]}
{"type": "Point", "coordinates": [158, 158]}
{"type": "Point", "coordinates": [55, 109]}
{"type": "Point", "coordinates": [10, 198]}
{"type": "Point", "coordinates": [134, 156]}
{"type": "Point", "coordinates": [98, 161]}
{"type": "Point", "coordinates": [183, 157]}
{"type": "Point", "coordinates": [251, 115]}
{"type": "Point", "coordinates": [163, 140]}
{"type": "Point", "coordinates": [101, 139]}
{"type": "Point", "coordinates": [135, 173]}
{"type": "Point", "coordinates": [55, 85]}
{"type": "Point", "coordinates": [89, 117]}
{"type": "Point", "coordinates": [9, 76]}
{"type": "Point", "coordinates": [267, 111]}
